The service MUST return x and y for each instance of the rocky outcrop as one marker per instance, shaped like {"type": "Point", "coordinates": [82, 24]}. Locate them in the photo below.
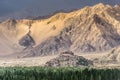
{"type": "Point", "coordinates": [68, 59]}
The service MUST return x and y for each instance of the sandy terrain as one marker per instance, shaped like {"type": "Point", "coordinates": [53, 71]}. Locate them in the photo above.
{"type": "Point", "coordinates": [39, 61]}
{"type": "Point", "coordinates": [36, 61]}
{"type": "Point", "coordinates": [92, 55]}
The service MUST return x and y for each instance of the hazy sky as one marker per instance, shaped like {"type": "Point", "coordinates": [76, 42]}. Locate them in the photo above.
{"type": "Point", "coordinates": [9, 6]}
{"type": "Point", "coordinates": [46, 6]}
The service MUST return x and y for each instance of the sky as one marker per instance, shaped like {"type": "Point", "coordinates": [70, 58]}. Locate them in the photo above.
{"type": "Point", "coordinates": [43, 7]}
{"type": "Point", "coordinates": [10, 6]}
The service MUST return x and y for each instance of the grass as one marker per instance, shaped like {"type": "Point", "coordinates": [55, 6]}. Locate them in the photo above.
{"type": "Point", "coordinates": [47, 73]}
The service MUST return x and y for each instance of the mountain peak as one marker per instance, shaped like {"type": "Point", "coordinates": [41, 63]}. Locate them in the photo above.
{"type": "Point", "coordinates": [99, 5]}
{"type": "Point", "coordinates": [117, 6]}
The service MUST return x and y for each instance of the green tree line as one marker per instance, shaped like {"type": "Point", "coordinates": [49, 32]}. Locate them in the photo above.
{"type": "Point", "coordinates": [41, 73]}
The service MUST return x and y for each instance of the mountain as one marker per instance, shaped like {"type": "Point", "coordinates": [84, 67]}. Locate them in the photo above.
{"type": "Point", "coordinates": [90, 29]}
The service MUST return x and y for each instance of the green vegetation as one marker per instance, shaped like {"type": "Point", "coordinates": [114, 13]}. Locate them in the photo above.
{"type": "Point", "coordinates": [40, 73]}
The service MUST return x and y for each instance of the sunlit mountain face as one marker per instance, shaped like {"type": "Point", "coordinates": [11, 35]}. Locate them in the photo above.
{"type": "Point", "coordinates": [33, 8]}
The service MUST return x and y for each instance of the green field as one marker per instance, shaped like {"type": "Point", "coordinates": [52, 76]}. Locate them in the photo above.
{"type": "Point", "coordinates": [40, 73]}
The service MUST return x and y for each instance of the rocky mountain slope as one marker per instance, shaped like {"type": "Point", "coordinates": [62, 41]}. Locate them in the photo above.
{"type": "Point", "coordinates": [93, 28]}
